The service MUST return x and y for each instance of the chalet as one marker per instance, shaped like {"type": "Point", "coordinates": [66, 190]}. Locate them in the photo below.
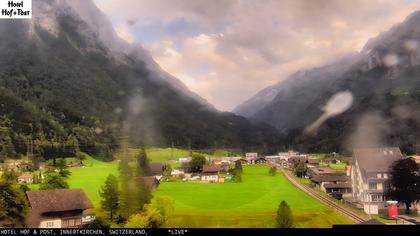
{"type": "Point", "coordinates": [58, 208]}
{"type": "Point", "coordinates": [312, 162]}
{"type": "Point", "coordinates": [26, 178]}
{"type": "Point", "coordinates": [210, 173]}
{"type": "Point", "coordinates": [313, 171]}
{"type": "Point", "coordinates": [151, 182]}
{"type": "Point", "coordinates": [260, 160]}
{"type": "Point", "coordinates": [157, 168]}
{"type": "Point", "coordinates": [332, 183]}
{"type": "Point", "coordinates": [369, 174]}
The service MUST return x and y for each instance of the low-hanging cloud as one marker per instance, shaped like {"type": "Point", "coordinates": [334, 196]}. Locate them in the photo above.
{"type": "Point", "coordinates": [236, 48]}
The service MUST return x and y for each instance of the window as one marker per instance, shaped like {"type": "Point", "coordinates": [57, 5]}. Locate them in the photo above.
{"type": "Point", "coordinates": [50, 224]}
{"type": "Point", "coordinates": [372, 186]}
{"type": "Point", "coordinates": [386, 176]}
{"type": "Point", "coordinates": [379, 175]}
{"type": "Point", "coordinates": [377, 198]}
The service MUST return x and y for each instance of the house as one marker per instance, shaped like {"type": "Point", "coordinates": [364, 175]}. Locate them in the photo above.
{"type": "Point", "coordinates": [215, 160]}
{"type": "Point", "coordinates": [368, 175]}
{"type": "Point", "coordinates": [58, 208]}
{"type": "Point", "coordinates": [26, 166]}
{"type": "Point", "coordinates": [332, 183]}
{"type": "Point", "coordinates": [26, 178]}
{"type": "Point", "coordinates": [313, 171]}
{"type": "Point", "coordinates": [250, 157]}
{"type": "Point", "coordinates": [224, 166]}
{"type": "Point", "coordinates": [260, 160]}
{"type": "Point", "coordinates": [210, 173]}
{"type": "Point", "coordinates": [273, 159]}
{"type": "Point", "coordinates": [186, 167]}
{"type": "Point", "coordinates": [157, 168]}
{"type": "Point", "coordinates": [177, 173]}
{"type": "Point", "coordinates": [312, 162]}
{"type": "Point", "coordinates": [151, 182]}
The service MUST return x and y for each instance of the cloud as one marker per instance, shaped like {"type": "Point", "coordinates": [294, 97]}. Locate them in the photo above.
{"type": "Point", "coordinates": [230, 49]}
{"type": "Point", "coordinates": [125, 33]}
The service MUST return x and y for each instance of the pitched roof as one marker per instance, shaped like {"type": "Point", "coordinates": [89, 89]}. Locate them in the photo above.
{"type": "Point", "coordinates": [313, 161]}
{"type": "Point", "coordinates": [156, 167]}
{"type": "Point", "coordinates": [376, 159]}
{"type": "Point", "coordinates": [321, 170]}
{"type": "Point", "coordinates": [150, 181]}
{"type": "Point", "coordinates": [211, 168]}
{"type": "Point", "coordinates": [330, 178]}
{"type": "Point", "coordinates": [337, 185]}
{"type": "Point", "coordinates": [55, 200]}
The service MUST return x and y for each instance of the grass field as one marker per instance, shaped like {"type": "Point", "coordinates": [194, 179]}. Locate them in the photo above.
{"type": "Point", "coordinates": [252, 203]}
{"type": "Point", "coordinates": [91, 177]}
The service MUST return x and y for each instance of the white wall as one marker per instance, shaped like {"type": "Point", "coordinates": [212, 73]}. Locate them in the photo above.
{"type": "Point", "coordinates": [56, 223]}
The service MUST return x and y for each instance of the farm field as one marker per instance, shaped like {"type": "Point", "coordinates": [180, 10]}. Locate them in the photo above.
{"type": "Point", "coordinates": [252, 203]}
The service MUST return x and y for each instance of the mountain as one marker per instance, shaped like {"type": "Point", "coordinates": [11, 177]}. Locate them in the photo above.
{"type": "Point", "coordinates": [68, 82]}
{"type": "Point", "coordinates": [382, 83]}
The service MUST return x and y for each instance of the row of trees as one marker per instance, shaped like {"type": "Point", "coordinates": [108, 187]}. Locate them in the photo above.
{"type": "Point", "coordinates": [131, 199]}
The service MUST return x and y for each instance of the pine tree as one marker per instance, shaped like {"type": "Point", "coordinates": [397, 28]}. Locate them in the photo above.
{"type": "Point", "coordinates": [284, 216]}
{"type": "Point", "coordinates": [110, 195]}
{"type": "Point", "coordinates": [143, 167]}
{"type": "Point", "coordinates": [127, 198]}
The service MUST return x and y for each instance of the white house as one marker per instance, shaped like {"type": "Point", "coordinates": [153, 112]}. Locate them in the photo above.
{"type": "Point", "coordinates": [210, 173]}
{"type": "Point", "coordinates": [369, 173]}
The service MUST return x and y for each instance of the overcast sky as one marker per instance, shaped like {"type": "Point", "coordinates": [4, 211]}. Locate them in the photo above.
{"type": "Point", "coordinates": [228, 50]}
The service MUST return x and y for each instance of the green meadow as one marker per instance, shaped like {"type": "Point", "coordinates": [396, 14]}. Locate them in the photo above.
{"type": "Point", "coordinates": [252, 203]}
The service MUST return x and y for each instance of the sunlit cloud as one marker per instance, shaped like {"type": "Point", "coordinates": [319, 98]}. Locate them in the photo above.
{"type": "Point", "coordinates": [228, 50]}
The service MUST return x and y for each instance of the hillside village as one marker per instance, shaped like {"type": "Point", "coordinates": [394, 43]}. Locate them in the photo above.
{"type": "Point", "coordinates": [358, 182]}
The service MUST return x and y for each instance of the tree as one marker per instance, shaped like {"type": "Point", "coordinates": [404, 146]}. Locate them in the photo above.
{"type": "Point", "coordinates": [272, 171]}
{"type": "Point", "coordinates": [284, 216]}
{"type": "Point", "coordinates": [154, 215]}
{"type": "Point", "coordinates": [62, 168]}
{"type": "Point", "coordinates": [13, 204]}
{"type": "Point", "coordinates": [110, 195]}
{"type": "Point", "coordinates": [127, 196]}
{"type": "Point", "coordinates": [53, 180]}
{"type": "Point", "coordinates": [299, 169]}
{"type": "Point", "coordinates": [143, 167]}
{"type": "Point", "coordinates": [238, 166]}
{"type": "Point", "coordinates": [404, 182]}
{"type": "Point", "coordinates": [197, 162]}
{"type": "Point", "coordinates": [142, 193]}
{"type": "Point", "coordinates": [138, 221]}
